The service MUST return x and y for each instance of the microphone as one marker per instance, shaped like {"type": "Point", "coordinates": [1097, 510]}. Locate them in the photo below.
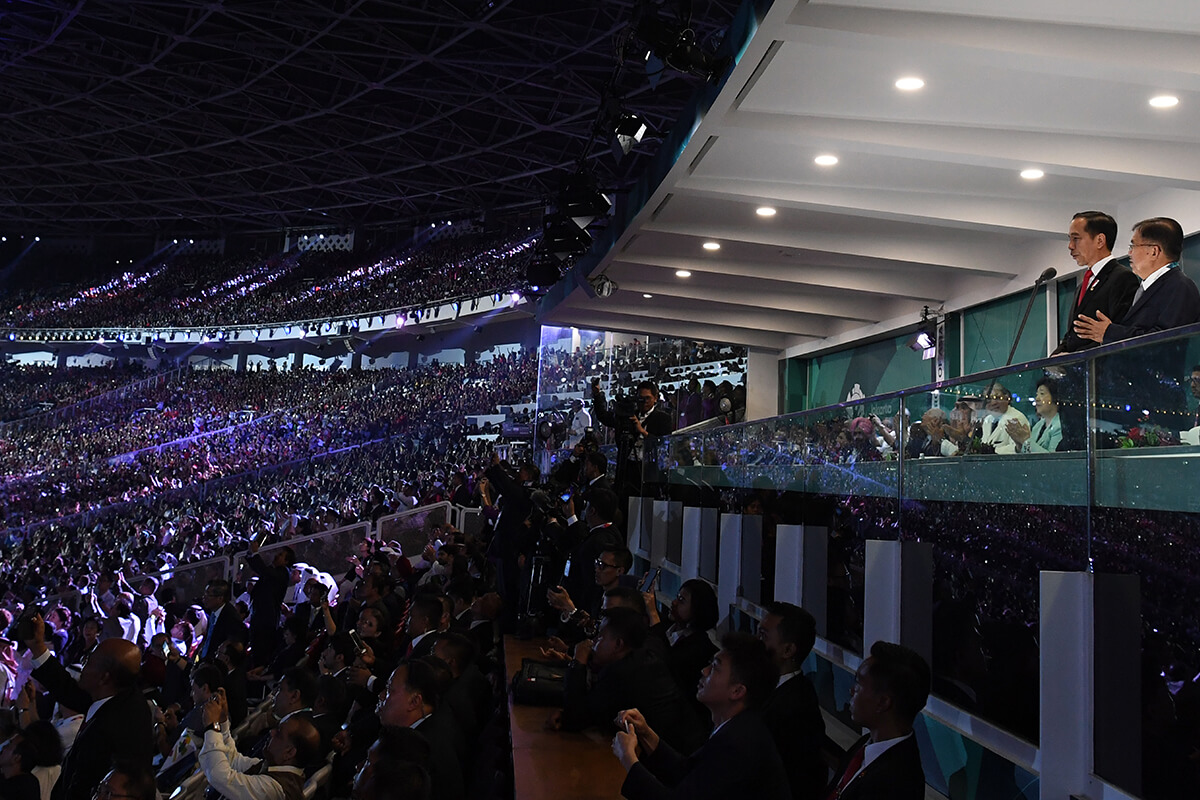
{"type": "Point", "coordinates": [1045, 276]}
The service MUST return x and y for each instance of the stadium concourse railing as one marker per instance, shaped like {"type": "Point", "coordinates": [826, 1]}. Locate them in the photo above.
{"type": "Point", "coordinates": [327, 551]}
{"type": "Point", "coordinates": [1028, 578]}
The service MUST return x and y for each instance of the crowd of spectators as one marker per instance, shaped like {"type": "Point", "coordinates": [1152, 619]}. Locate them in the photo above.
{"type": "Point", "coordinates": [180, 290]}
{"type": "Point", "coordinates": [214, 424]}
{"type": "Point", "coordinates": [27, 390]}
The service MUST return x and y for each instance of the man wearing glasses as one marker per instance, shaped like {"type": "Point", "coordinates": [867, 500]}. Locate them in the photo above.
{"type": "Point", "coordinates": [1166, 298]}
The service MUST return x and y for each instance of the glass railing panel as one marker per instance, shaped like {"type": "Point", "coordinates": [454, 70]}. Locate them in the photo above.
{"type": "Point", "coordinates": [996, 476]}
{"type": "Point", "coordinates": [1145, 522]}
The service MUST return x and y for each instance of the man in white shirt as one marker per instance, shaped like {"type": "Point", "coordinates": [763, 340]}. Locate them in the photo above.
{"type": "Point", "coordinates": [995, 421]}
{"type": "Point", "coordinates": [278, 775]}
{"type": "Point", "coordinates": [580, 422]}
{"type": "Point", "coordinates": [890, 689]}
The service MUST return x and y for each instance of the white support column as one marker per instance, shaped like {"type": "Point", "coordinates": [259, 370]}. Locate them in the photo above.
{"type": "Point", "coordinates": [730, 564]}
{"type": "Point", "coordinates": [699, 543]}
{"type": "Point", "coordinates": [641, 520]}
{"type": "Point", "coordinates": [1067, 683]}
{"type": "Point", "coordinates": [666, 520]}
{"type": "Point", "coordinates": [762, 384]}
{"type": "Point", "coordinates": [801, 569]}
{"type": "Point", "coordinates": [898, 604]}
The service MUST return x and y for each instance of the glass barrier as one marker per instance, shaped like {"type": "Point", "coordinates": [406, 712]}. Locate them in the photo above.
{"type": "Point", "coordinates": [188, 581]}
{"type": "Point", "coordinates": [1083, 462]}
{"type": "Point", "coordinates": [324, 552]}
{"type": "Point", "coordinates": [415, 529]}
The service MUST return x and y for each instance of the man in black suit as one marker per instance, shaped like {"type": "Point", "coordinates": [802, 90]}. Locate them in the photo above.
{"type": "Point", "coordinates": [422, 628]}
{"type": "Point", "coordinates": [632, 431]}
{"type": "Point", "coordinates": [793, 714]}
{"type": "Point", "coordinates": [1166, 298]}
{"type": "Point", "coordinates": [1107, 287]}
{"type": "Point", "coordinates": [511, 537]}
{"type": "Point", "coordinates": [117, 723]}
{"type": "Point", "coordinates": [266, 600]}
{"type": "Point", "coordinates": [890, 689]}
{"type": "Point", "coordinates": [738, 760]}
{"type": "Point", "coordinates": [627, 674]}
{"type": "Point", "coordinates": [585, 539]}
{"type": "Point", "coordinates": [411, 701]}
{"type": "Point", "coordinates": [224, 621]}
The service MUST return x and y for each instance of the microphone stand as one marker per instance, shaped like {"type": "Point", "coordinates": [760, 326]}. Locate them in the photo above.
{"type": "Point", "coordinates": [1024, 319]}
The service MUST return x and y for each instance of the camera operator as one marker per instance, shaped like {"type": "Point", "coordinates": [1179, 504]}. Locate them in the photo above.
{"type": "Point", "coordinates": [634, 423]}
{"type": "Point", "coordinates": [588, 538]}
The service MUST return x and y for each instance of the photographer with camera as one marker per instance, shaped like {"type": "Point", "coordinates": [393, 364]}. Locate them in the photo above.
{"type": "Point", "coordinates": [634, 419]}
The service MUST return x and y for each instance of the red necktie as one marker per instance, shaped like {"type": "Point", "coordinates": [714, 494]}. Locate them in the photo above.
{"type": "Point", "coordinates": [851, 770]}
{"type": "Point", "coordinates": [1087, 281]}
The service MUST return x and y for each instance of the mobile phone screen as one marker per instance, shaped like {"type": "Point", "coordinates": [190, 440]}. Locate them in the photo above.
{"type": "Point", "coordinates": [648, 581]}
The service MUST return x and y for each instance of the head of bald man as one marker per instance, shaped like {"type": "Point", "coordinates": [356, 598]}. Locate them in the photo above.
{"type": "Point", "coordinates": [293, 743]}
{"type": "Point", "coordinates": [113, 667]}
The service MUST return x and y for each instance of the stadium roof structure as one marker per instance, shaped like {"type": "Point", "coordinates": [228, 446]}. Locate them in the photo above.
{"type": "Point", "coordinates": [140, 117]}
{"type": "Point", "coordinates": [951, 193]}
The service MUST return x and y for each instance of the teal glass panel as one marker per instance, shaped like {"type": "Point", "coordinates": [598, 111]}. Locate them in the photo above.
{"type": "Point", "coordinates": [989, 331]}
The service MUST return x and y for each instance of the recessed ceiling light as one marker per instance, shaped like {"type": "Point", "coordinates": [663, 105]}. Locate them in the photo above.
{"type": "Point", "coordinates": [647, 296]}
{"type": "Point", "coordinates": [682, 273]}
{"type": "Point", "coordinates": [826, 160]}
{"type": "Point", "coordinates": [1164, 101]}
{"type": "Point", "coordinates": [712, 246]}
{"type": "Point", "coordinates": [910, 84]}
{"type": "Point", "coordinates": [765, 211]}
{"type": "Point", "coordinates": [1032, 174]}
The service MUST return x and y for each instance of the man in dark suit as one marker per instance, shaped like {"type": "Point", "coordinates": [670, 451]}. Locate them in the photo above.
{"type": "Point", "coordinates": [890, 689]}
{"type": "Point", "coordinates": [1106, 287]}
{"type": "Point", "coordinates": [411, 702]}
{"type": "Point", "coordinates": [585, 540]}
{"type": "Point", "coordinates": [738, 760]}
{"type": "Point", "coordinates": [422, 627]}
{"type": "Point", "coordinates": [266, 600]}
{"type": "Point", "coordinates": [648, 421]}
{"type": "Point", "coordinates": [511, 537]}
{"type": "Point", "coordinates": [793, 714]}
{"type": "Point", "coordinates": [627, 674]}
{"type": "Point", "coordinates": [117, 722]}
{"type": "Point", "coordinates": [224, 621]}
{"type": "Point", "coordinates": [1166, 298]}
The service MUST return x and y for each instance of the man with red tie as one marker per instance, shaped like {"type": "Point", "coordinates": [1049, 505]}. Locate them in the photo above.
{"type": "Point", "coordinates": [1107, 287]}
{"type": "Point", "coordinates": [890, 689]}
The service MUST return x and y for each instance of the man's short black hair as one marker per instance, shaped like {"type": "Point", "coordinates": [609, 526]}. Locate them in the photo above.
{"type": "Point", "coordinates": [1097, 222]}
{"type": "Point", "coordinates": [903, 675]}
{"type": "Point", "coordinates": [422, 679]}
{"type": "Point", "coordinates": [706, 611]}
{"type": "Point", "coordinates": [208, 675]}
{"type": "Point", "coordinates": [1164, 232]}
{"type": "Point", "coordinates": [299, 679]}
{"type": "Point", "coordinates": [343, 646]}
{"type": "Point", "coordinates": [628, 596]}
{"type": "Point", "coordinates": [139, 779]}
{"type": "Point", "coordinates": [651, 385]}
{"type": "Point", "coordinates": [429, 605]}
{"type": "Point", "coordinates": [461, 588]}
{"type": "Point", "coordinates": [796, 626]}
{"type": "Point", "coordinates": [628, 625]}
{"type": "Point", "coordinates": [459, 648]}
{"type": "Point", "coordinates": [597, 460]}
{"type": "Point", "coordinates": [221, 587]}
{"type": "Point", "coordinates": [621, 557]}
{"type": "Point", "coordinates": [603, 503]}
{"type": "Point", "coordinates": [750, 666]}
